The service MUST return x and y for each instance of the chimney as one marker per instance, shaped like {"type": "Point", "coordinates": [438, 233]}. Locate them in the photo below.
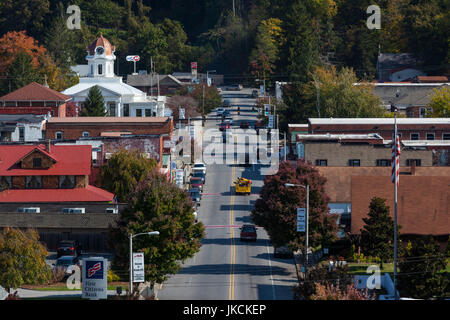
{"type": "Point", "coordinates": [48, 145]}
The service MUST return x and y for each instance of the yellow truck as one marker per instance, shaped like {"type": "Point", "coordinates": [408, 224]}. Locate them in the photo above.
{"type": "Point", "coordinates": [243, 186]}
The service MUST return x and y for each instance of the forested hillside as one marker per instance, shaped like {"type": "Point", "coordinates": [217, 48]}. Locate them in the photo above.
{"type": "Point", "coordinates": [242, 39]}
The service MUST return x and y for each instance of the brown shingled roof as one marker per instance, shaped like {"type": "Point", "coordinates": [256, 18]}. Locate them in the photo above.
{"type": "Point", "coordinates": [35, 92]}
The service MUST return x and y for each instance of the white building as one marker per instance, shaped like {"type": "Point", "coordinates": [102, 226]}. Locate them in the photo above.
{"type": "Point", "coordinates": [121, 100]}
{"type": "Point", "coordinates": [22, 127]}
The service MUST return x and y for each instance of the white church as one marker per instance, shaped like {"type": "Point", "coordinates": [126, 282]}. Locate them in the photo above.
{"type": "Point", "coordinates": [121, 100]}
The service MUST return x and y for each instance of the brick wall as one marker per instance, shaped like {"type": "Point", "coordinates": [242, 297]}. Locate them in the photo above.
{"type": "Point", "coordinates": [338, 154]}
{"type": "Point", "coordinates": [74, 131]}
{"type": "Point", "coordinates": [423, 202]}
{"type": "Point", "coordinates": [386, 131]}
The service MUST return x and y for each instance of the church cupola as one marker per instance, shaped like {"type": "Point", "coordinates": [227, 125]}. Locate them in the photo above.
{"type": "Point", "coordinates": [101, 58]}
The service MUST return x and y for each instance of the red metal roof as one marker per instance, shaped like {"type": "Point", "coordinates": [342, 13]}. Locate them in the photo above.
{"type": "Point", "coordinates": [35, 92]}
{"type": "Point", "coordinates": [70, 160]}
{"type": "Point", "coordinates": [88, 194]}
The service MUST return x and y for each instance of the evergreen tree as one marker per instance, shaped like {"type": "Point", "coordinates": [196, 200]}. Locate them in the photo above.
{"type": "Point", "coordinates": [19, 73]}
{"type": "Point", "coordinates": [421, 269]}
{"type": "Point", "coordinates": [378, 232]}
{"type": "Point", "coordinates": [94, 105]}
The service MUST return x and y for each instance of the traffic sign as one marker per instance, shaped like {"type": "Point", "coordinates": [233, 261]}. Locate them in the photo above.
{"type": "Point", "coordinates": [271, 121]}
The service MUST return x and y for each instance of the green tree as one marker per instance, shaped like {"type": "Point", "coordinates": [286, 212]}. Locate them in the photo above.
{"type": "Point", "coordinates": [124, 170]}
{"type": "Point", "coordinates": [212, 98]}
{"type": "Point", "coordinates": [276, 209]}
{"type": "Point", "coordinates": [421, 270]}
{"type": "Point", "coordinates": [94, 105]}
{"type": "Point", "coordinates": [378, 232]}
{"type": "Point", "coordinates": [440, 103]}
{"type": "Point", "coordinates": [22, 258]}
{"type": "Point", "coordinates": [157, 205]}
{"type": "Point", "coordinates": [19, 73]}
{"type": "Point", "coordinates": [333, 94]}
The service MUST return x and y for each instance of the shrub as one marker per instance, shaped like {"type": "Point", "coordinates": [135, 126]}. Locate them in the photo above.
{"type": "Point", "coordinates": [112, 277]}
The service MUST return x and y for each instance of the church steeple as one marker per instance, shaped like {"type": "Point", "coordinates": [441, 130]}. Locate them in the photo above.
{"type": "Point", "coordinates": [101, 58]}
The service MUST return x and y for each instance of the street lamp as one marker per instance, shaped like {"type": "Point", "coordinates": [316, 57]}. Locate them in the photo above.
{"type": "Point", "coordinates": [288, 185]}
{"type": "Point", "coordinates": [151, 233]}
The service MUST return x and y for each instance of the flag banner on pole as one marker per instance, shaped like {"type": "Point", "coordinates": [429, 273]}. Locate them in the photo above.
{"type": "Point", "coordinates": [395, 159]}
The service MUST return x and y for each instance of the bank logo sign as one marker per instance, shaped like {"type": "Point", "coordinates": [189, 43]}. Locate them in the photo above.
{"type": "Point", "coordinates": [94, 281]}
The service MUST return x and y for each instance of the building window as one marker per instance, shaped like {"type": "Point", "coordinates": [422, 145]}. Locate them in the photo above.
{"type": "Point", "coordinates": [138, 112]}
{"type": "Point", "coordinates": [422, 113]}
{"type": "Point", "coordinates": [34, 182]}
{"type": "Point", "coordinates": [66, 182]}
{"type": "Point", "coordinates": [148, 112]}
{"type": "Point", "coordinates": [446, 136]}
{"type": "Point", "coordinates": [100, 69]}
{"type": "Point", "coordinates": [154, 114]}
{"type": "Point", "coordinates": [112, 109]}
{"type": "Point", "coordinates": [417, 162]}
{"type": "Point", "coordinates": [126, 110]}
{"type": "Point", "coordinates": [21, 134]}
{"type": "Point", "coordinates": [430, 136]}
{"type": "Point", "coordinates": [354, 163]}
{"type": "Point", "coordinates": [59, 135]}
{"type": "Point", "coordinates": [37, 163]}
{"type": "Point", "coordinates": [414, 136]}
{"type": "Point", "coordinates": [321, 162]}
{"type": "Point", "coordinates": [73, 210]}
{"type": "Point", "coordinates": [85, 134]}
{"type": "Point", "coordinates": [383, 162]}
{"type": "Point", "coordinates": [5, 183]}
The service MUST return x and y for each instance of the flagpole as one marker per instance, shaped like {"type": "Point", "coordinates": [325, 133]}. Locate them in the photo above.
{"type": "Point", "coordinates": [395, 201]}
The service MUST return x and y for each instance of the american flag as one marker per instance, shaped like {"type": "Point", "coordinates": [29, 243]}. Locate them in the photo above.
{"type": "Point", "coordinates": [395, 158]}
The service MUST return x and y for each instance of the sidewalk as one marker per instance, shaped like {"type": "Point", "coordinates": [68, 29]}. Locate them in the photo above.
{"type": "Point", "coordinates": [28, 293]}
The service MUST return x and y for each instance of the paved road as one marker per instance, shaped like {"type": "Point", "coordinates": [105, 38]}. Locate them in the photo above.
{"type": "Point", "coordinates": [226, 268]}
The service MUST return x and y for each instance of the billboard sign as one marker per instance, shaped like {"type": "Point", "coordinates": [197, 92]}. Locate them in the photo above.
{"type": "Point", "coordinates": [94, 278]}
{"type": "Point", "coordinates": [133, 58]}
{"type": "Point", "coordinates": [193, 65]}
{"type": "Point", "coordinates": [138, 267]}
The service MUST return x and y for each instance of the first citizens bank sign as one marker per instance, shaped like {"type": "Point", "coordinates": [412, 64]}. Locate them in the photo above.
{"type": "Point", "coordinates": [94, 280]}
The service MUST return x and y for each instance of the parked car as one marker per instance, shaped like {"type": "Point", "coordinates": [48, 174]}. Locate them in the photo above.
{"type": "Point", "coordinates": [199, 174]}
{"type": "Point", "coordinates": [219, 111]}
{"type": "Point", "coordinates": [282, 252]}
{"type": "Point", "coordinates": [197, 182]}
{"type": "Point", "coordinates": [68, 248]}
{"type": "Point", "coordinates": [226, 113]}
{"type": "Point", "coordinates": [67, 263]}
{"type": "Point", "coordinates": [255, 94]}
{"type": "Point", "coordinates": [200, 166]}
{"type": "Point", "coordinates": [195, 196]}
{"type": "Point", "coordinates": [224, 126]}
{"type": "Point", "coordinates": [244, 125]}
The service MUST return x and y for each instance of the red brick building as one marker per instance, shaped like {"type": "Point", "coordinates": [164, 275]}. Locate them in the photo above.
{"type": "Point", "coordinates": [408, 128]}
{"type": "Point", "coordinates": [73, 128]}
{"type": "Point", "coordinates": [34, 99]}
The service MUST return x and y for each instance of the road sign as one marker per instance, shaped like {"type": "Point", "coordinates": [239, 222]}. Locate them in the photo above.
{"type": "Point", "coordinates": [271, 121]}
{"type": "Point", "coordinates": [138, 267]}
{"type": "Point", "coordinates": [193, 65]}
{"type": "Point", "coordinates": [301, 219]}
{"type": "Point", "coordinates": [94, 278]}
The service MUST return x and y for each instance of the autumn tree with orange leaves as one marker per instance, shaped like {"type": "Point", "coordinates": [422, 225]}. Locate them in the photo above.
{"type": "Point", "coordinates": [41, 66]}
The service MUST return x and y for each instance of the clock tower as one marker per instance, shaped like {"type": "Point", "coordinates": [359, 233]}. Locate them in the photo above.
{"type": "Point", "coordinates": [101, 58]}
